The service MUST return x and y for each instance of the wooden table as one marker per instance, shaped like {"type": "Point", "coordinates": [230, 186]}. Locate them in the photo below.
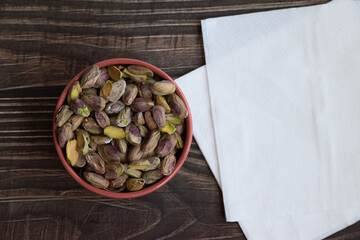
{"type": "Point", "coordinates": [42, 46]}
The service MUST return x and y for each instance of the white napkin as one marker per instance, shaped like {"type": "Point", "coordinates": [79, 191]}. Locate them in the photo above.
{"type": "Point", "coordinates": [308, 226]}
{"type": "Point", "coordinates": [289, 131]}
{"type": "Point", "coordinates": [284, 89]}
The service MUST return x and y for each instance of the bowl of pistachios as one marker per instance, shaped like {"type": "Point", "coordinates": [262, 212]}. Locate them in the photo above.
{"type": "Point", "coordinates": [122, 128]}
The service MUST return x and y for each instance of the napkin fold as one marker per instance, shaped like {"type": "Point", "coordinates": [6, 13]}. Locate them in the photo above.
{"type": "Point", "coordinates": [281, 95]}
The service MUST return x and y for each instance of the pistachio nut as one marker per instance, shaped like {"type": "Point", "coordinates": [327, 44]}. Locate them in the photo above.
{"type": "Point", "coordinates": [144, 90]}
{"type": "Point", "coordinates": [162, 88]}
{"type": "Point", "coordinates": [134, 184]}
{"type": "Point", "coordinates": [132, 172]}
{"type": "Point", "coordinates": [74, 92]}
{"type": "Point", "coordinates": [120, 145]}
{"type": "Point", "coordinates": [95, 102]}
{"type": "Point", "coordinates": [132, 134]}
{"type": "Point", "coordinates": [71, 152]}
{"type": "Point", "coordinates": [63, 115]}
{"type": "Point", "coordinates": [134, 153]}
{"type": "Point", "coordinates": [113, 170]}
{"type": "Point", "coordinates": [161, 100]}
{"type": "Point", "coordinates": [96, 180]}
{"type": "Point", "coordinates": [140, 164]}
{"type": "Point", "coordinates": [177, 105]}
{"type": "Point", "coordinates": [95, 162]}
{"type": "Point", "coordinates": [135, 77]}
{"type": "Point", "coordinates": [150, 122]}
{"type": "Point", "coordinates": [90, 76]}
{"type": "Point", "coordinates": [167, 165]}
{"type": "Point", "coordinates": [64, 134]}
{"type": "Point", "coordinates": [82, 143]}
{"type": "Point", "coordinates": [154, 163]}
{"type": "Point", "coordinates": [78, 106]}
{"type": "Point", "coordinates": [80, 162]}
{"type": "Point", "coordinates": [180, 142]}
{"type": "Point", "coordinates": [101, 139]}
{"type": "Point", "coordinates": [124, 117]}
{"type": "Point", "coordinates": [152, 176]}
{"type": "Point", "coordinates": [85, 133]}
{"type": "Point", "coordinates": [173, 118]}
{"type": "Point", "coordinates": [108, 153]}
{"type": "Point", "coordinates": [89, 91]}
{"type": "Point", "coordinates": [114, 108]}
{"type": "Point", "coordinates": [102, 119]}
{"type": "Point", "coordinates": [114, 73]}
{"type": "Point", "coordinates": [150, 142]}
{"type": "Point", "coordinates": [75, 121]}
{"type": "Point", "coordinates": [166, 144]}
{"type": "Point", "coordinates": [114, 132]}
{"type": "Point", "coordinates": [140, 70]}
{"type": "Point", "coordinates": [104, 76]}
{"type": "Point", "coordinates": [90, 125]}
{"type": "Point", "coordinates": [118, 182]}
{"type": "Point", "coordinates": [139, 119]}
{"type": "Point", "coordinates": [143, 130]}
{"type": "Point", "coordinates": [141, 105]}
{"type": "Point", "coordinates": [158, 113]}
{"type": "Point", "coordinates": [130, 93]}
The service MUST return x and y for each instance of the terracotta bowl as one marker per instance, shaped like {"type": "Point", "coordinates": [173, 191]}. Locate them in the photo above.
{"type": "Point", "coordinates": [153, 187]}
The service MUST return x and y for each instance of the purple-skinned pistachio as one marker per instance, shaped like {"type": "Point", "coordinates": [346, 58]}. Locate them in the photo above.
{"type": "Point", "coordinates": [90, 76]}
{"type": "Point", "coordinates": [124, 117]}
{"type": "Point", "coordinates": [95, 102]}
{"type": "Point", "coordinates": [150, 142]}
{"type": "Point", "coordinates": [95, 162]}
{"type": "Point", "coordinates": [130, 94]}
{"type": "Point", "coordinates": [132, 134]}
{"type": "Point", "coordinates": [165, 145]}
{"type": "Point", "coordinates": [102, 119]}
{"type": "Point", "coordinates": [142, 105]}
{"type": "Point", "coordinates": [90, 125]}
{"type": "Point", "coordinates": [78, 106]}
{"type": "Point", "coordinates": [113, 170]}
{"type": "Point", "coordinates": [114, 108]}
{"type": "Point", "coordinates": [109, 153]}
{"type": "Point", "coordinates": [63, 115]}
{"type": "Point", "coordinates": [104, 76]}
{"type": "Point", "coordinates": [158, 113]}
{"type": "Point", "coordinates": [167, 165]}
{"type": "Point", "coordinates": [64, 134]}
{"type": "Point", "coordinates": [177, 105]}
{"type": "Point", "coordinates": [96, 180]}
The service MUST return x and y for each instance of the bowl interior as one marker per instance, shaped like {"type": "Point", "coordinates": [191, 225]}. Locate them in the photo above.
{"type": "Point", "coordinates": [161, 182]}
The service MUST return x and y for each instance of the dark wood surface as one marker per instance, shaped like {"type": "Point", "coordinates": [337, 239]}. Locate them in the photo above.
{"type": "Point", "coordinates": [43, 44]}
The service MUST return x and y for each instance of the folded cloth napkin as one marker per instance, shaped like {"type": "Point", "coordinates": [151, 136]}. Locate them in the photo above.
{"type": "Point", "coordinates": [307, 226]}
{"type": "Point", "coordinates": [283, 91]}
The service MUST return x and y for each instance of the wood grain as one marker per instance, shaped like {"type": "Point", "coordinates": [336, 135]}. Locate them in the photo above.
{"type": "Point", "coordinates": [43, 44]}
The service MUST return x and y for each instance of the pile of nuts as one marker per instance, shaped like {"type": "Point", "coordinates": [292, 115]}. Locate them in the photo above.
{"type": "Point", "coordinates": [121, 127]}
